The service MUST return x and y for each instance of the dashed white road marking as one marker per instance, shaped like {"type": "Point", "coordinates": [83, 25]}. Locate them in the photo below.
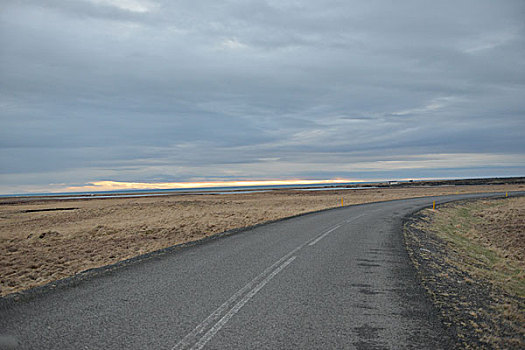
{"type": "Point", "coordinates": [200, 344]}
{"type": "Point", "coordinates": [194, 340]}
{"type": "Point", "coordinates": [357, 217]}
{"type": "Point", "coordinates": [332, 229]}
{"type": "Point", "coordinates": [323, 235]}
{"type": "Point", "coordinates": [191, 337]}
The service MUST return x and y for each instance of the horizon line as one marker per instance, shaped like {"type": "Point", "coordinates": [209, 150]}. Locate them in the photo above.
{"type": "Point", "coordinates": [115, 186]}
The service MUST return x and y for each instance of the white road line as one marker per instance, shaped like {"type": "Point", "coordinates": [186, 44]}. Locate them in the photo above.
{"type": "Point", "coordinates": [357, 217]}
{"type": "Point", "coordinates": [323, 235]}
{"type": "Point", "coordinates": [206, 338]}
{"type": "Point", "coordinates": [192, 337]}
{"type": "Point", "coordinates": [332, 229]}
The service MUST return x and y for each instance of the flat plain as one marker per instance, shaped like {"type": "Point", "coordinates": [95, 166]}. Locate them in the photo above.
{"type": "Point", "coordinates": [43, 241]}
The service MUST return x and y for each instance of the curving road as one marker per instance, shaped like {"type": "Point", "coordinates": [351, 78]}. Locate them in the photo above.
{"type": "Point", "coordinates": [334, 279]}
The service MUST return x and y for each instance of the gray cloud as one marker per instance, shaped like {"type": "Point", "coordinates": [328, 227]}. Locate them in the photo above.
{"type": "Point", "coordinates": [138, 90]}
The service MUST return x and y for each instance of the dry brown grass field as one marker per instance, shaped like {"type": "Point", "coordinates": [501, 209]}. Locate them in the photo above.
{"type": "Point", "coordinates": [470, 258]}
{"type": "Point", "coordinates": [39, 246]}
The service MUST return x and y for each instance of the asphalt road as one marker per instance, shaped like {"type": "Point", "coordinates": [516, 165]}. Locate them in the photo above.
{"type": "Point", "coordinates": [329, 280]}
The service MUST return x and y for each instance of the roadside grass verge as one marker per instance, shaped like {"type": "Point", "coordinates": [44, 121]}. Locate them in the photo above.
{"type": "Point", "coordinates": [470, 258]}
{"type": "Point", "coordinates": [484, 258]}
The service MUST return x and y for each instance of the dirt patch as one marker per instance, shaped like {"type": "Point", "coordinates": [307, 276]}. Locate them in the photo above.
{"type": "Point", "coordinates": [39, 245]}
{"type": "Point", "coordinates": [469, 257]}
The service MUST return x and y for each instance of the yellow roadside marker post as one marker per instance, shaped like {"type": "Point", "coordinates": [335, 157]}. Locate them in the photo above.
{"type": "Point", "coordinates": [342, 204]}
{"type": "Point", "coordinates": [506, 194]}
{"type": "Point", "coordinates": [434, 205]}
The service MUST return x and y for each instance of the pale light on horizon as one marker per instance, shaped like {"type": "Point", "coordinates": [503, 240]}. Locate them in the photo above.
{"type": "Point", "coordinates": [120, 185]}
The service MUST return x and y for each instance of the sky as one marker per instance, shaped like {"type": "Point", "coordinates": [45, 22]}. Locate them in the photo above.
{"type": "Point", "coordinates": [96, 92]}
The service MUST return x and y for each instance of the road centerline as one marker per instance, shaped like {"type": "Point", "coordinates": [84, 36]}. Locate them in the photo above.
{"type": "Point", "coordinates": [324, 235]}
{"type": "Point", "coordinates": [190, 337]}
{"type": "Point", "coordinates": [207, 337]}
{"type": "Point", "coordinates": [244, 294]}
{"type": "Point", "coordinates": [357, 217]}
{"type": "Point", "coordinates": [315, 240]}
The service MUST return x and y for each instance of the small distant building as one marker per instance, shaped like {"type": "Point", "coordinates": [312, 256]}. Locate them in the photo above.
{"type": "Point", "coordinates": [393, 183]}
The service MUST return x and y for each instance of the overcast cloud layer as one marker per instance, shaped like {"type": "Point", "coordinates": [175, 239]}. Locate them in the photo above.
{"type": "Point", "coordinates": [164, 91]}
